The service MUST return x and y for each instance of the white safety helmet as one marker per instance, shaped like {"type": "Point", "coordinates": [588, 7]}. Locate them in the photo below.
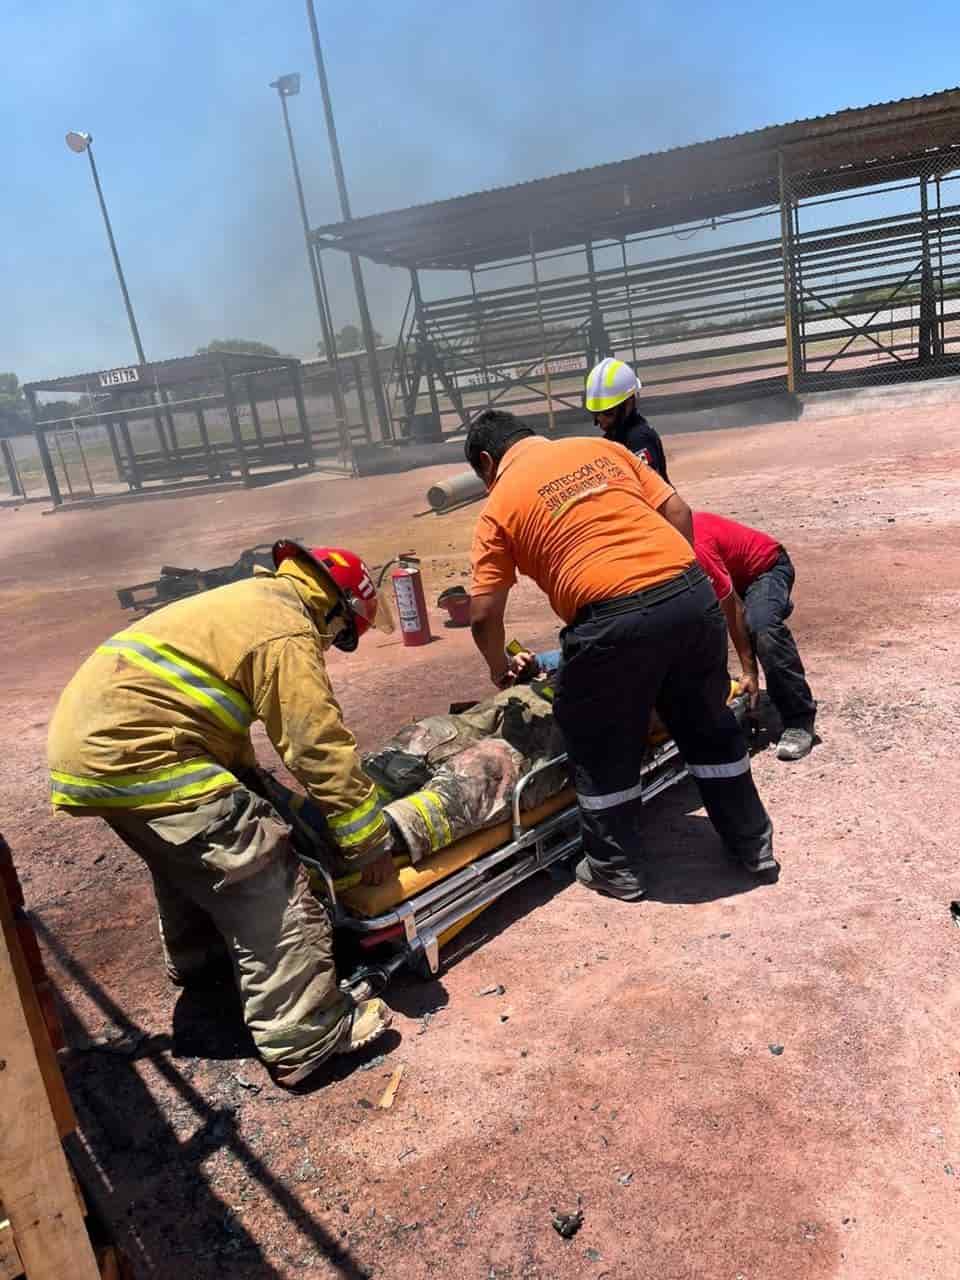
{"type": "Point", "coordinates": [609, 383]}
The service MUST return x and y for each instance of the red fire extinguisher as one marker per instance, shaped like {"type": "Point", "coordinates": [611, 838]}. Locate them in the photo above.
{"type": "Point", "coordinates": [411, 603]}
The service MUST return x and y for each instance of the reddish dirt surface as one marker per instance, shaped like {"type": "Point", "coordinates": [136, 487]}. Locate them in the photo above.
{"type": "Point", "coordinates": [634, 1069]}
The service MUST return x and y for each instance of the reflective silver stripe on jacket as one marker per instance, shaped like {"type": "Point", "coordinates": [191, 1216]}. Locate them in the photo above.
{"type": "Point", "coordinates": [229, 706]}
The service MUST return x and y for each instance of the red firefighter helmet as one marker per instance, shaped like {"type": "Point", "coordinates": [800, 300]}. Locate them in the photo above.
{"type": "Point", "coordinates": [358, 602]}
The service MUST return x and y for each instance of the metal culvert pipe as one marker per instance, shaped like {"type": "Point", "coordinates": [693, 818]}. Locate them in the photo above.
{"type": "Point", "coordinates": [459, 488]}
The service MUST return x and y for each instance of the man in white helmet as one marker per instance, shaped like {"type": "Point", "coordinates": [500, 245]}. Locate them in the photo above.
{"type": "Point", "coordinates": [611, 396]}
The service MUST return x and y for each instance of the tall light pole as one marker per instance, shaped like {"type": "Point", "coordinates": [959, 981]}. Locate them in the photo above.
{"type": "Point", "coordinates": [80, 142]}
{"type": "Point", "coordinates": [369, 340]}
{"type": "Point", "coordinates": [288, 87]}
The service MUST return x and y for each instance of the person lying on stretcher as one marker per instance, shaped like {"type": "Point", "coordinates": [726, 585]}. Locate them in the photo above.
{"type": "Point", "coordinates": [525, 665]}
{"type": "Point", "coordinates": [447, 776]}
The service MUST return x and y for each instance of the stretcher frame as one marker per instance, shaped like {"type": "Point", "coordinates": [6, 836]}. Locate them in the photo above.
{"type": "Point", "coordinates": [415, 928]}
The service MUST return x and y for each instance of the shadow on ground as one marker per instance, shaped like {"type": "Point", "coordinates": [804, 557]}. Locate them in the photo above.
{"type": "Point", "coordinates": [150, 1178]}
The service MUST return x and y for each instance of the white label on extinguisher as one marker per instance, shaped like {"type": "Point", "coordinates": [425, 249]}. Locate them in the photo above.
{"type": "Point", "coordinates": [406, 603]}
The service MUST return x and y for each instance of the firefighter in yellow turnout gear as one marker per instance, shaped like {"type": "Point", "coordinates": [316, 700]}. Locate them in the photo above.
{"type": "Point", "coordinates": [151, 733]}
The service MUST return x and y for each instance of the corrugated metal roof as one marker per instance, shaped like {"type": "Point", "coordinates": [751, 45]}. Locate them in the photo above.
{"type": "Point", "coordinates": [726, 174]}
{"type": "Point", "coordinates": [168, 373]}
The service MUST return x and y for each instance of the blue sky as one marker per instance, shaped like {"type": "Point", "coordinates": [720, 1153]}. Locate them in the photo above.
{"type": "Point", "coordinates": [432, 100]}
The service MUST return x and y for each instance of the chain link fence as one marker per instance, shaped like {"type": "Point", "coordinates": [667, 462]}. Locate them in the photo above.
{"type": "Point", "coordinates": [874, 273]}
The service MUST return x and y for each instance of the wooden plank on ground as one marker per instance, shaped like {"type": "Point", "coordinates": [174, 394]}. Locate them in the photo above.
{"type": "Point", "coordinates": [10, 1265]}
{"type": "Point", "coordinates": [46, 1056]}
{"type": "Point", "coordinates": [35, 1182]}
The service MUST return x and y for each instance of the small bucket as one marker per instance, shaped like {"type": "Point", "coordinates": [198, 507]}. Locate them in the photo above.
{"type": "Point", "coordinates": [456, 601]}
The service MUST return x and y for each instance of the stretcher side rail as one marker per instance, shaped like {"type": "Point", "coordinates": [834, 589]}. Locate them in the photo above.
{"type": "Point", "coordinates": [453, 885]}
{"type": "Point", "coordinates": [426, 917]}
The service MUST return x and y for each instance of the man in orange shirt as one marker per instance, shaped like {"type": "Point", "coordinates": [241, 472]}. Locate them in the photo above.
{"type": "Point", "coordinates": [611, 545]}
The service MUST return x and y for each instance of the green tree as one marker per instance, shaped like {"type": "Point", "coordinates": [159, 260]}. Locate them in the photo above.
{"type": "Point", "coordinates": [350, 339]}
{"type": "Point", "coordinates": [13, 405]}
{"type": "Point", "coordinates": [241, 345]}
{"type": "Point", "coordinates": [11, 393]}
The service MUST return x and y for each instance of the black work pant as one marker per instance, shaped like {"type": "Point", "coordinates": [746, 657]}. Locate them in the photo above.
{"type": "Point", "coordinates": [767, 605]}
{"type": "Point", "coordinates": [621, 659]}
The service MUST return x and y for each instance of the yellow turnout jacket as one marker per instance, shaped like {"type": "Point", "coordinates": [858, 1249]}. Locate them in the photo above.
{"type": "Point", "coordinates": [158, 717]}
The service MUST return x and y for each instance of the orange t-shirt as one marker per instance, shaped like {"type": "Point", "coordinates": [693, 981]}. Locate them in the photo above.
{"type": "Point", "coordinates": [579, 517]}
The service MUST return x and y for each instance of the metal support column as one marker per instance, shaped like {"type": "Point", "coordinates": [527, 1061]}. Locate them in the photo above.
{"type": "Point", "coordinates": [111, 428]}
{"type": "Point", "coordinates": [340, 396]}
{"type": "Point", "coordinates": [481, 332]}
{"type": "Point", "coordinates": [928, 338]}
{"type": "Point", "coordinates": [254, 411]}
{"type": "Point", "coordinates": [276, 405]}
{"type": "Point", "coordinates": [369, 341]}
{"type": "Point", "coordinates": [302, 414]}
{"type": "Point", "coordinates": [212, 464]}
{"type": "Point", "coordinates": [543, 336]}
{"type": "Point", "coordinates": [598, 337]}
{"type": "Point", "coordinates": [424, 346]}
{"type": "Point", "coordinates": [941, 326]}
{"type": "Point", "coordinates": [171, 428]}
{"type": "Point", "coordinates": [16, 484]}
{"type": "Point", "coordinates": [789, 300]}
{"type": "Point", "coordinates": [361, 398]}
{"type": "Point", "coordinates": [626, 287]}
{"type": "Point", "coordinates": [235, 425]}
{"type": "Point", "coordinates": [161, 435]}
{"type": "Point", "coordinates": [46, 461]}
{"type": "Point", "coordinates": [134, 479]}
{"type": "Point", "coordinates": [317, 278]}
{"type": "Point", "coordinates": [83, 457]}
{"type": "Point", "coordinates": [63, 461]}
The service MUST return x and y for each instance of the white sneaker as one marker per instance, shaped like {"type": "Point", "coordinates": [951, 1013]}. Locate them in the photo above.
{"type": "Point", "coordinates": [794, 744]}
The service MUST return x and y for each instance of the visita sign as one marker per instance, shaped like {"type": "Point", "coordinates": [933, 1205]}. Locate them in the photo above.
{"type": "Point", "coordinates": [119, 377]}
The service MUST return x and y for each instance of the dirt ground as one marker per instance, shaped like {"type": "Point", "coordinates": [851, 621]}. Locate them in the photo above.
{"type": "Point", "coordinates": [635, 1068]}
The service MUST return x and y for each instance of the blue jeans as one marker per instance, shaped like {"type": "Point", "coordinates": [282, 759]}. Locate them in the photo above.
{"type": "Point", "coordinates": [767, 605]}
{"type": "Point", "coordinates": [549, 661]}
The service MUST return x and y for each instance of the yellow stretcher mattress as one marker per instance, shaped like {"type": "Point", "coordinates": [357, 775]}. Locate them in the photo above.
{"type": "Point", "coordinates": [369, 900]}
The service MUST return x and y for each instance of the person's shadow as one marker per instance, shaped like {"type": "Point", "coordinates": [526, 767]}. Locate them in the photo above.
{"type": "Point", "coordinates": [208, 1021]}
{"type": "Point", "coordinates": [685, 858]}
{"type": "Point", "coordinates": [141, 1172]}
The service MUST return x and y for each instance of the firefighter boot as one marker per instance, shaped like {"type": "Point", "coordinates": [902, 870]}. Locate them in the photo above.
{"type": "Point", "coordinates": [614, 884]}
{"type": "Point", "coordinates": [365, 1023]}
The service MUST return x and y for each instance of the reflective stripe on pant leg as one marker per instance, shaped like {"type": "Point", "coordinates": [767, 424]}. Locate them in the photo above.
{"type": "Point", "coordinates": [731, 769]}
{"type": "Point", "coordinates": [693, 704]}
{"type": "Point", "coordinates": [612, 799]}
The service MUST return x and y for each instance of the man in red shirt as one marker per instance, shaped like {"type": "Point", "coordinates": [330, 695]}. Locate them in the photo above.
{"type": "Point", "coordinates": [610, 543]}
{"type": "Point", "coordinates": [753, 577]}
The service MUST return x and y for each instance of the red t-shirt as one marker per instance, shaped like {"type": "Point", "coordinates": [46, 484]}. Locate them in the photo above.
{"type": "Point", "coordinates": [731, 554]}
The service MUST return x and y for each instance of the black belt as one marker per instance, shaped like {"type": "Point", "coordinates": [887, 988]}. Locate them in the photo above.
{"type": "Point", "coordinates": [691, 577]}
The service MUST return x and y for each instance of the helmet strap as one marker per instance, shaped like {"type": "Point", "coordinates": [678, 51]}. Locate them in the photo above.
{"type": "Point", "coordinates": [347, 637]}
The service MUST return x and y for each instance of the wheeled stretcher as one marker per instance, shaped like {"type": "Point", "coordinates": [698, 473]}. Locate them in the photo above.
{"type": "Point", "coordinates": [407, 921]}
